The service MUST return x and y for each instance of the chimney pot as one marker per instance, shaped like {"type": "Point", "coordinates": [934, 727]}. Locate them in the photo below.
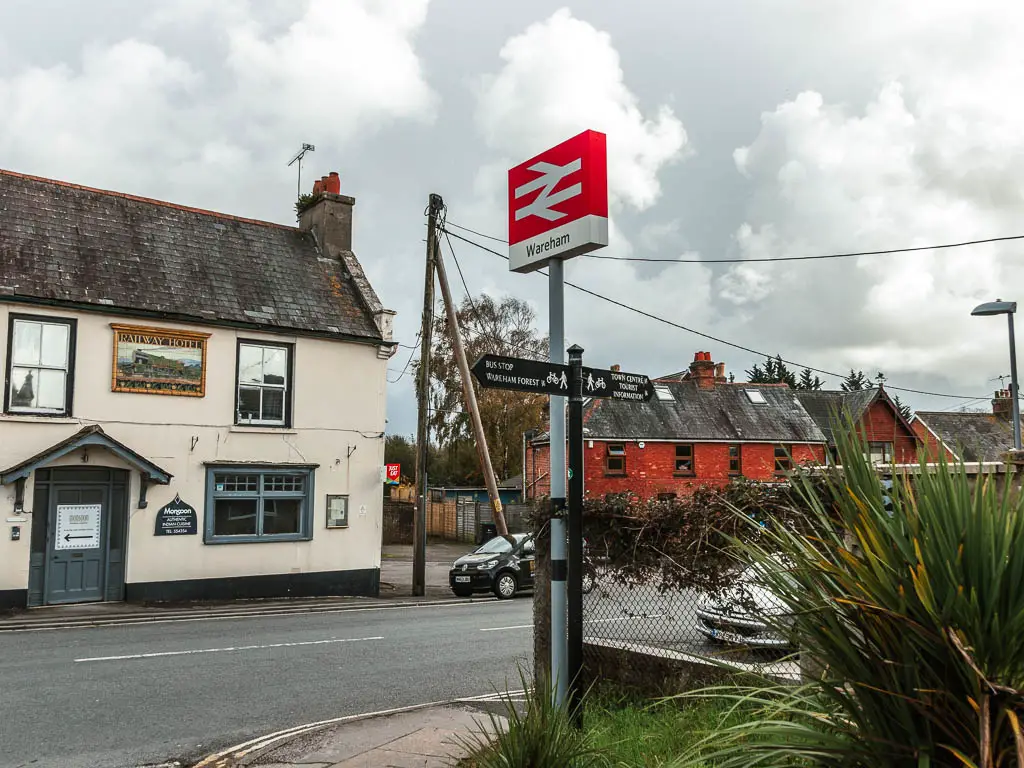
{"type": "Point", "coordinates": [702, 370]}
{"type": "Point", "coordinates": [333, 184]}
{"type": "Point", "coordinates": [318, 187]}
{"type": "Point", "coordinates": [1002, 405]}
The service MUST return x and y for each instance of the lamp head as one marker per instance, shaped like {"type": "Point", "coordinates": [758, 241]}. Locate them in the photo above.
{"type": "Point", "coordinates": [997, 307]}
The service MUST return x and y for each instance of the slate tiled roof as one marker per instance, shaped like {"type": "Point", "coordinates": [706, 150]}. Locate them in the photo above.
{"type": "Point", "coordinates": [823, 405]}
{"type": "Point", "coordinates": [971, 436]}
{"type": "Point", "coordinates": [65, 243]}
{"type": "Point", "coordinates": [722, 413]}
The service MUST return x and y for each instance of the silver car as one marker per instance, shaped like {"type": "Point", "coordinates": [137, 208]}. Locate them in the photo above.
{"type": "Point", "coordinates": [746, 614]}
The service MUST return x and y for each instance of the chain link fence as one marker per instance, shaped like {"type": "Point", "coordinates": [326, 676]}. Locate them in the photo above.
{"type": "Point", "coordinates": [642, 624]}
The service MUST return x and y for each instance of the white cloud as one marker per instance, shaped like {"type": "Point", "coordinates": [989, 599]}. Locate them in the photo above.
{"type": "Point", "coordinates": [562, 76]}
{"type": "Point", "coordinates": [935, 156]}
{"type": "Point", "coordinates": [121, 103]}
{"type": "Point", "coordinates": [338, 69]}
{"type": "Point", "coordinates": [558, 77]}
{"type": "Point", "coordinates": [196, 125]}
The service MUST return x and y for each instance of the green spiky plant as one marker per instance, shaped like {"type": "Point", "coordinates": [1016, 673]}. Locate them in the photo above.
{"type": "Point", "coordinates": [537, 734]}
{"type": "Point", "coordinates": [912, 614]}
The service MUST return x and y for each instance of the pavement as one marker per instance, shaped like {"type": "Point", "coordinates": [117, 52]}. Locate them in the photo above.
{"type": "Point", "coordinates": [395, 590]}
{"type": "Point", "coordinates": [154, 693]}
{"type": "Point", "coordinates": [396, 567]}
{"type": "Point", "coordinates": [424, 737]}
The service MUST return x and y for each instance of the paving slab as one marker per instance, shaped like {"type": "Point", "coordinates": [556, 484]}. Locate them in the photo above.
{"type": "Point", "coordinates": [422, 738]}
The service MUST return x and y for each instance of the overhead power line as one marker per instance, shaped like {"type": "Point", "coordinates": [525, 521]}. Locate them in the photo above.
{"type": "Point", "coordinates": [774, 258]}
{"type": "Point", "coordinates": [478, 329]}
{"type": "Point", "coordinates": [708, 336]}
{"type": "Point", "coordinates": [405, 368]}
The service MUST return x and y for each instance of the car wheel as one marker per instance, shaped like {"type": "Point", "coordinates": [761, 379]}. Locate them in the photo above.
{"type": "Point", "coordinates": [588, 582]}
{"type": "Point", "coordinates": [505, 585]}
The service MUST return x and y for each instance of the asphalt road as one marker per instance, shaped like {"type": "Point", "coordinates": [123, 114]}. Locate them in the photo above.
{"type": "Point", "coordinates": [128, 696]}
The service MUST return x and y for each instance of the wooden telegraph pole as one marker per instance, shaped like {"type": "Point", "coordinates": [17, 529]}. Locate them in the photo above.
{"type": "Point", "coordinates": [419, 524]}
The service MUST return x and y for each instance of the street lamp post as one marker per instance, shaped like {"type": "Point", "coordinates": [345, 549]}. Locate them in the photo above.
{"type": "Point", "coordinates": [1008, 308]}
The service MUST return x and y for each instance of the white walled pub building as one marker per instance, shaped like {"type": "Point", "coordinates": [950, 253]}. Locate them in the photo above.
{"type": "Point", "coordinates": [193, 402]}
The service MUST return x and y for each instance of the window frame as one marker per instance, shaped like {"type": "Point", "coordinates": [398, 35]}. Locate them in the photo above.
{"type": "Point", "coordinates": [617, 455]}
{"type": "Point", "coordinates": [738, 459]}
{"type": "Point", "coordinates": [786, 459]}
{"type": "Point", "coordinates": [305, 532]}
{"type": "Point", "coordinates": [888, 451]}
{"type": "Point", "coordinates": [289, 384]}
{"type": "Point", "coordinates": [756, 397]}
{"type": "Point", "coordinates": [692, 471]}
{"type": "Point", "coordinates": [69, 372]}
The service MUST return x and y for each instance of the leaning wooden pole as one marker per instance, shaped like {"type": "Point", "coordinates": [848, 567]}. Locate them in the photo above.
{"type": "Point", "coordinates": [470, 396]}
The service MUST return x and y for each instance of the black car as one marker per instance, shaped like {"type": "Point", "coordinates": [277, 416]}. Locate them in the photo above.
{"type": "Point", "coordinates": [504, 565]}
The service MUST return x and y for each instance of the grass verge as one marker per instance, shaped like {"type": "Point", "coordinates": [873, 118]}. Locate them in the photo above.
{"type": "Point", "coordinates": [621, 730]}
{"type": "Point", "coordinates": [630, 731]}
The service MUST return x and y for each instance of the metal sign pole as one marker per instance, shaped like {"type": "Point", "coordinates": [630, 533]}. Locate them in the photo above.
{"type": "Point", "coordinates": [575, 620]}
{"type": "Point", "coordinates": [556, 406]}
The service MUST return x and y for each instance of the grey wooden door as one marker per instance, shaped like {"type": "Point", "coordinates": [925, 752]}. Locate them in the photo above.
{"type": "Point", "coordinates": [76, 565]}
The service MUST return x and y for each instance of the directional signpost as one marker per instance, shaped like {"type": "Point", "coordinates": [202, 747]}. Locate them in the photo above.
{"type": "Point", "coordinates": [578, 383]}
{"type": "Point", "coordinates": [543, 378]}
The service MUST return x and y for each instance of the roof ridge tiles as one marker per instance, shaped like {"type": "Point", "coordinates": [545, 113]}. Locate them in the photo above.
{"type": "Point", "coordinates": [147, 200]}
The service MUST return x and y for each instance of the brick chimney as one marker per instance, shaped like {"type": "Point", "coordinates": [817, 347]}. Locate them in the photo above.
{"type": "Point", "coordinates": [720, 373]}
{"type": "Point", "coordinates": [1002, 404]}
{"type": "Point", "coordinates": [329, 218]}
{"type": "Point", "coordinates": [702, 370]}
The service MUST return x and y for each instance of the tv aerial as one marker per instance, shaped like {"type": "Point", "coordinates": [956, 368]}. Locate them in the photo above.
{"type": "Point", "coordinates": [298, 159]}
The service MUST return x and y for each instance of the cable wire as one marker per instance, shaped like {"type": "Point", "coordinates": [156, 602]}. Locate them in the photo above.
{"type": "Point", "coordinates": [479, 331]}
{"type": "Point", "coordinates": [412, 354]}
{"type": "Point", "coordinates": [708, 336]}
{"type": "Point", "coordinates": [775, 258]}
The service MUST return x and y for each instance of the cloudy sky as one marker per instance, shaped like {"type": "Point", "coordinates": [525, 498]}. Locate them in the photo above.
{"type": "Point", "coordinates": [736, 130]}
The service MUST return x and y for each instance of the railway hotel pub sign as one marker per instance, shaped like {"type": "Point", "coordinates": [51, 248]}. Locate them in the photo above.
{"type": "Point", "coordinates": [159, 361]}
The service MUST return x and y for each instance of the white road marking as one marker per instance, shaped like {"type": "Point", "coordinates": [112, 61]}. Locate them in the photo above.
{"type": "Point", "coordinates": [226, 650]}
{"type": "Point", "coordinates": [247, 747]}
{"type": "Point", "coordinates": [500, 629]}
{"type": "Point", "coordinates": [623, 618]}
{"type": "Point", "coordinates": [589, 621]}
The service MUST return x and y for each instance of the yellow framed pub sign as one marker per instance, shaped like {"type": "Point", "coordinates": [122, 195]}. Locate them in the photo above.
{"type": "Point", "coordinates": [159, 361]}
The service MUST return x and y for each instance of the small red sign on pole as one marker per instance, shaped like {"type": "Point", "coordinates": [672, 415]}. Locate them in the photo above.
{"type": "Point", "coordinates": [558, 203]}
{"type": "Point", "coordinates": [393, 473]}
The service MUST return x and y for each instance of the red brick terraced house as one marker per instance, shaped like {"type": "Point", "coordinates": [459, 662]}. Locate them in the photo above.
{"type": "Point", "coordinates": [968, 437]}
{"type": "Point", "coordinates": [889, 436]}
{"type": "Point", "coordinates": [698, 429]}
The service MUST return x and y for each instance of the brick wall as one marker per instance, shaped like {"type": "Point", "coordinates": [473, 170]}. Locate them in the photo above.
{"type": "Point", "coordinates": [930, 442]}
{"type": "Point", "coordinates": [539, 458]}
{"type": "Point", "coordinates": [398, 522]}
{"type": "Point", "coordinates": [651, 470]}
{"type": "Point", "coordinates": [881, 424]}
